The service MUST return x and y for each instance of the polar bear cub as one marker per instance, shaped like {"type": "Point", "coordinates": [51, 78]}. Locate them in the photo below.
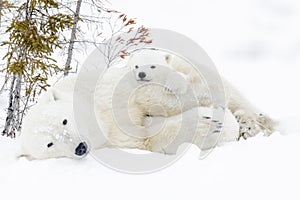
{"type": "Point", "coordinates": [191, 90]}
{"type": "Point", "coordinates": [152, 66]}
{"type": "Point", "coordinates": [161, 90]}
{"type": "Point", "coordinates": [146, 127]}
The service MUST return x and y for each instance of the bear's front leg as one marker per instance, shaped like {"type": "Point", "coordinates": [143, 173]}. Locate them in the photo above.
{"type": "Point", "coordinates": [176, 84]}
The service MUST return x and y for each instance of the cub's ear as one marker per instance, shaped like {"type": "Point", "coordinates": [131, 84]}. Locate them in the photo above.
{"type": "Point", "coordinates": [50, 96]}
{"type": "Point", "coordinates": [168, 58]}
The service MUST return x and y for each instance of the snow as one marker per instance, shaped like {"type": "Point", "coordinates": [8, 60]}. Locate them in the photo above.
{"type": "Point", "coordinates": [256, 45]}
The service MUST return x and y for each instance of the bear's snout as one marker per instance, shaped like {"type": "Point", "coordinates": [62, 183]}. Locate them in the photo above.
{"type": "Point", "coordinates": [81, 149]}
{"type": "Point", "coordinates": [142, 75]}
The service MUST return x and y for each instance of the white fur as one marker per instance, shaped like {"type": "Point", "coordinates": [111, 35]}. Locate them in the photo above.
{"type": "Point", "coordinates": [154, 120]}
{"type": "Point", "coordinates": [44, 125]}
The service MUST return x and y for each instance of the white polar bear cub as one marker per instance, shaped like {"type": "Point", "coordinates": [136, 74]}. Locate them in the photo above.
{"type": "Point", "coordinates": [191, 90]}
{"type": "Point", "coordinates": [151, 66]}
{"type": "Point", "coordinates": [111, 119]}
{"type": "Point", "coordinates": [160, 90]}
{"type": "Point", "coordinates": [133, 91]}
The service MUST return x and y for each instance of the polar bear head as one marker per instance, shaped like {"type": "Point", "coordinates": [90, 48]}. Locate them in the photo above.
{"type": "Point", "coordinates": [152, 66]}
{"type": "Point", "coordinates": [149, 65]}
{"type": "Point", "coordinates": [49, 130]}
{"type": "Point", "coordinates": [154, 73]}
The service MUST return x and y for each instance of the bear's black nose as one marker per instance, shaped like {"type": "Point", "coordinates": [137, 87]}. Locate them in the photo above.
{"type": "Point", "coordinates": [142, 74]}
{"type": "Point", "coordinates": [81, 149]}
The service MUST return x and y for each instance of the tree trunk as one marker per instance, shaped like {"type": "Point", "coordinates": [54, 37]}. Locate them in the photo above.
{"type": "Point", "coordinates": [72, 39]}
{"type": "Point", "coordinates": [12, 122]}
{"type": "Point", "coordinates": [1, 6]}
{"type": "Point", "coordinates": [17, 94]}
{"type": "Point", "coordinates": [9, 116]}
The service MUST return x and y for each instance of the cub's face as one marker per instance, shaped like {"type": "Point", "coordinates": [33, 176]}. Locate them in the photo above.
{"type": "Point", "coordinates": [149, 65]}
{"type": "Point", "coordinates": [153, 73]}
{"type": "Point", "coordinates": [145, 72]}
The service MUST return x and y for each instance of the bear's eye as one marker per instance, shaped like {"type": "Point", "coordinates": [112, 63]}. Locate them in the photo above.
{"type": "Point", "coordinates": [153, 67]}
{"type": "Point", "coordinates": [136, 67]}
{"type": "Point", "coordinates": [65, 122]}
{"type": "Point", "coordinates": [50, 144]}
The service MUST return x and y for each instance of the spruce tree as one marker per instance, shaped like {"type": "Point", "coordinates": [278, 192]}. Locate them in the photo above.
{"type": "Point", "coordinates": [33, 37]}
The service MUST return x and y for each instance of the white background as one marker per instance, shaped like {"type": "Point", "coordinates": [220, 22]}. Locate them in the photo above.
{"type": "Point", "coordinates": [255, 44]}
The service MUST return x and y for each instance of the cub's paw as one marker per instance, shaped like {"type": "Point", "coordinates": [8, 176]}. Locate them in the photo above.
{"type": "Point", "coordinates": [176, 84]}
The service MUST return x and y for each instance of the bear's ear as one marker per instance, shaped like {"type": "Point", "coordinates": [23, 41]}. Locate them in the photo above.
{"type": "Point", "coordinates": [51, 96]}
{"type": "Point", "coordinates": [55, 95]}
{"type": "Point", "coordinates": [168, 58]}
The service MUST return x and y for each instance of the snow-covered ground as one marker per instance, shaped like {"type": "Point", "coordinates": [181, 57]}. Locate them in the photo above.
{"type": "Point", "coordinates": [256, 45]}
